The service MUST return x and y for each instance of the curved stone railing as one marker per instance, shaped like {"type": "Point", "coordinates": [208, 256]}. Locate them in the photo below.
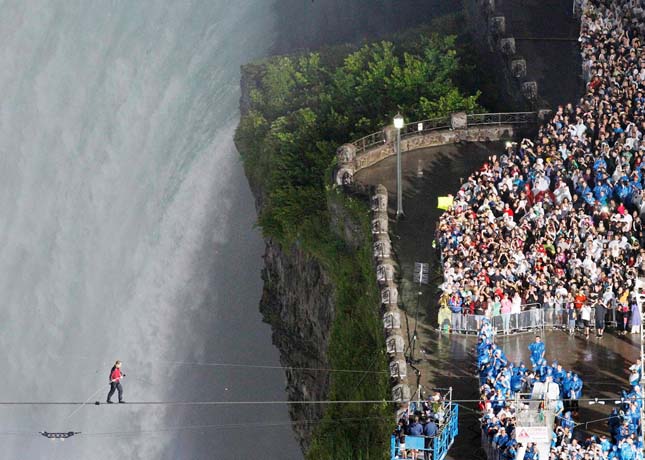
{"type": "Point", "coordinates": [458, 127]}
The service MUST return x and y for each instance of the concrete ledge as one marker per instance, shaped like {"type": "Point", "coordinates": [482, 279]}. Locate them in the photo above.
{"type": "Point", "coordinates": [518, 68]}
{"type": "Point", "coordinates": [507, 46]}
{"type": "Point", "coordinates": [392, 320]}
{"type": "Point", "coordinates": [530, 90]}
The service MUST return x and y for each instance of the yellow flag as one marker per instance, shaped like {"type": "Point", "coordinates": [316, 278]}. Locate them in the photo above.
{"type": "Point", "coordinates": [445, 202]}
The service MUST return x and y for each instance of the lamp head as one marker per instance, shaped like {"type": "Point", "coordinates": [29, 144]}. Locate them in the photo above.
{"type": "Point", "coordinates": [398, 121]}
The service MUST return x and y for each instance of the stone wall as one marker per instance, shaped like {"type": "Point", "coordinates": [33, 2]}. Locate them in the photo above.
{"type": "Point", "coordinates": [298, 303]}
{"type": "Point", "coordinates": [496, 42]}
{"type": "Point", "coordinates": [350, 162]}
{"type": "Point", "coordinates": [394, 341]}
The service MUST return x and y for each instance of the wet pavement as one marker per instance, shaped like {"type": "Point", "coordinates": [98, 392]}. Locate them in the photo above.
{"type": "Point", "coordinates": [427, 174]}
{"type": "Point", "coordinates": [448, 361]}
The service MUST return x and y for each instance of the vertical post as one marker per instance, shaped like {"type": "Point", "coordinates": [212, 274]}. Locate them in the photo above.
{"type": "Point", "coordinates": [398, 124]}
{"type": "Point", "coordinates": [399, 185]}
{"type": "Point", "coordinates": [414, 334]}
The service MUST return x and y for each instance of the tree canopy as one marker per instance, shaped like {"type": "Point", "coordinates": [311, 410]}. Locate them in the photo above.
{"type": "Point", "coordinates": [303, 107]}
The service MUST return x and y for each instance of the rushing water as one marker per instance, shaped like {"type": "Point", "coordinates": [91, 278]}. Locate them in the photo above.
{"type": "Point", "coordinates": [126, 230]}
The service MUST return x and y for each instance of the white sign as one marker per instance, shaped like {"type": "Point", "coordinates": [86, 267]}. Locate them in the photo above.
{"type": "Point", "coordinates": [537, 434]}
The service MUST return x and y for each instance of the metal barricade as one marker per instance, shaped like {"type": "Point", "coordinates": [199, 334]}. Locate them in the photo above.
{"type": "Point", "coordinates": [530, 318]}
{"type": "Point", "coordinates": [610, 319]}
{"type": "Point", "coordinates": [497, 323]}
{"type": "Point", "coordinates": [472, 323]}
{"type": "Point", "coordinates": [549, 317]}
{"type": "Point", "coordinates": [560, 318]}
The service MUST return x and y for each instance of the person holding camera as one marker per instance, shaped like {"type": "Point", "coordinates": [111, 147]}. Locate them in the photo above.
{"type": "Point", "coordinates": [115, 382]}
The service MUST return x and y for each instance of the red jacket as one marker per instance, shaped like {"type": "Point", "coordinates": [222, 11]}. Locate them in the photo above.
{"type": "Point", "coordinates": [115, 375]}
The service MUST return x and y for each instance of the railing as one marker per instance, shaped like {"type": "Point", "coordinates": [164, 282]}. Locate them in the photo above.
{"type": "Point", "coordinates": [437, 446]}
{"type": "Point", "coordinates": [433, 124]}
{"type": "Point", "coordinates": [515, 118]}
{"type": "Point", "coordinates": [533, 317]}
{"type": "Point", "coordinates": [530, 318]}
{"type": "Point", "coordinates": [564, 318]}
{"type": "Point", "coordinates": [369, 141]}
{"type": "Point", "coordinates": [424, 126]}
{"type": "Point", "coordinates": [446, 438]}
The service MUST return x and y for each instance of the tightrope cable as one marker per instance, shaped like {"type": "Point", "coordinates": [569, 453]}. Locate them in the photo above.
{"type": "Point", "coordinates": [205, 427]}
{"type": "Point", "coordinates": [189, 403]}
{"type": "Point", "coordinates": [233, 403]}
{"type": "Point", "coordinates": [233, 425]}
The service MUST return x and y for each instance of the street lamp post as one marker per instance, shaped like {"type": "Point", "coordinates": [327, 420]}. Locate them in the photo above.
{"type": "Point", "coordinates": [398, 124]}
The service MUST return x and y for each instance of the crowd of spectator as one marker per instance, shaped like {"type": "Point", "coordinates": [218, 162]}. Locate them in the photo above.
{"type": "Point", "coordinates": [501, 381]}
{"type": "Point", "coordinates": [558, 221]}
{"type": "Point", "coordinates": [559, 390]}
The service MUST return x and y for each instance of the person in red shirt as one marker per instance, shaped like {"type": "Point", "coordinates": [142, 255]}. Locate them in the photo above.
{"type": "Point", "coordinates": [579, 300]}
{"type": "Point", "coordinates": [115, 382]}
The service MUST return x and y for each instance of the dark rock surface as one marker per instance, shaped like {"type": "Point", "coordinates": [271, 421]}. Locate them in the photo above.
{"type": "Point", "coordinates": [298, 303]}
{"type": "Point", "coordinates": [312, 24]}
{"type": "Point", "coordinates": [546, 33]}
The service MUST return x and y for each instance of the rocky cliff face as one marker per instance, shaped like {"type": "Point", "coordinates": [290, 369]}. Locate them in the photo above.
{"type": "Point", "coordinates": [298, 303]}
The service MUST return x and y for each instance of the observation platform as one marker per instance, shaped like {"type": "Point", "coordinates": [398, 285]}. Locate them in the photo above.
{"type": "Point", "coordinates": [438, 446]}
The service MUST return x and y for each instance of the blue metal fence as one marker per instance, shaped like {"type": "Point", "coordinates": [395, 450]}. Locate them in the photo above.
{"type": "Point", "coordinates": [440, 444]}
{"type": "Point", "coordinates": [447, 436]}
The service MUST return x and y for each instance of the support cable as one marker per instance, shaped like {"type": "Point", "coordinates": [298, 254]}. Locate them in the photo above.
{"type": "Point", "coordinates": [233, 403]}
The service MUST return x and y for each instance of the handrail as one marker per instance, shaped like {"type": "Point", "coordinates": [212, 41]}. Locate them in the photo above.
{"type": "Point", "coordinates": [527, 319]}
{"type": "Point", "coordinates": [522, 307]}
{"type": "Point", "coordinates": [432, 124]}
{"type": "Point", "coordinates": [501, 118]}
{"type": "Point", "coordinates": [369, 141]}
{"type": "Point", "coordinates": [424, 126]}
{"type": "Point", "coordinates": [446, 438]}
